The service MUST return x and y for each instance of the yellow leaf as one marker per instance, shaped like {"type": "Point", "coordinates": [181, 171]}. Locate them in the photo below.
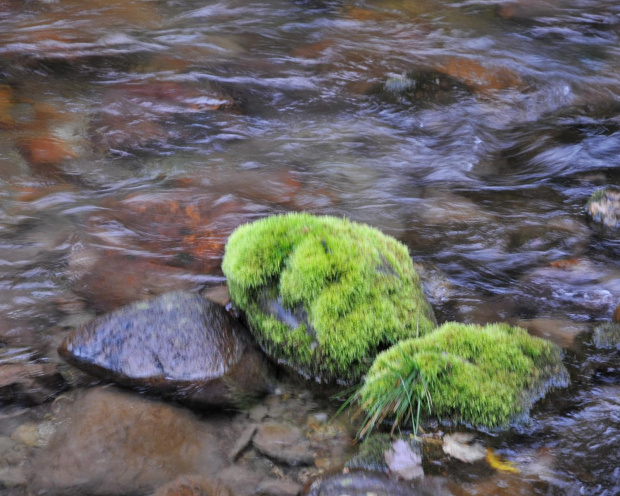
{"type": "Point", "coordinates": [497, 463]}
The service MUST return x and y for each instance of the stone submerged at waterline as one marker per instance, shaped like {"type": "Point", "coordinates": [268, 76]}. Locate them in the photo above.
{"type": "Point", "coordinates": [178, 345]}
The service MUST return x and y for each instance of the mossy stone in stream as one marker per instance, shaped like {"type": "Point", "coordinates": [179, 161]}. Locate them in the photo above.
{"type": "Point", "coordinates": [324, 295]}
{"type": "Point", "coordinates": [483, 376]}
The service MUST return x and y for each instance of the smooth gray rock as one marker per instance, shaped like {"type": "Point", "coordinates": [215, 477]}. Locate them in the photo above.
{"type": "Point", "coordinates": [178, 344]}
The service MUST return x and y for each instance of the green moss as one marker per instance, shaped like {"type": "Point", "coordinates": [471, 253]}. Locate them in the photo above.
{"type": "Point", "coordinates": [324, 294]}
{"type": "Point", "coordinates": [484, 376]}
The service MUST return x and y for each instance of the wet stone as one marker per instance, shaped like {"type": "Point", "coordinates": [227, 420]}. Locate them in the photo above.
{"type": "Point", "coordinates": [6, 444]}
{"type": "Point", "coordinates": [26, 434]}
{"type": "Point", "coordinates": [179, 345]}
{"type": "Point", "coordinates": [109, 282]}
{"type": "Point", "coordinates": [29, 383]}
{"type": "Point", "coordinates": [245, 438]}
{"type": "Point", "coordinates": [193, 485]}
{"type": "Point", "coordinates": [258, 413]}
{"type": "Point", "coordinates": [361, 483]}
{"type": "Point", "coordinates": [283, 442]}
{"type": "Point", "coordinates": [12, 477]}
{"type": "Point", "coordinates": [277, 487]}
{"type": "Point", "coordinates": [110, 442]}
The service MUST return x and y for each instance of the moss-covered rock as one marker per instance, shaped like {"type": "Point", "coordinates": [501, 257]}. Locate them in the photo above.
{"type": "Point", "coordinates": [323, 294]}
{"type": "Point", "coordinates": [604, 206]}
{"type": "Point", "coordinates": [484, 376]}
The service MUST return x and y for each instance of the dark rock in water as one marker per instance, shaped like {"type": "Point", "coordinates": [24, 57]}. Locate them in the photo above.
{"type": "Point", "coordinates": [423, 86]}
{"type": "Point", "coordinates": [283, 442]}
{"type": "Point", "coordinates": [29, 383]}
{"type": "Point", "coordinates": [178, 344]}
{"type": "Point", "coordinates": [193, 485]}
{"type": "Point", "coordinates": [110, 442]}
{"type": "Point", "coordinates": [362, 483]}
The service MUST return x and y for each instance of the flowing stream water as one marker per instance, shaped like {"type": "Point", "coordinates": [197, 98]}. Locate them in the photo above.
{"type": "Point", "coordinates": [136, 135]}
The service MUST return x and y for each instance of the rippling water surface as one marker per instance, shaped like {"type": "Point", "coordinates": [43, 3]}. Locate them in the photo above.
{"type": "Point", "coordinates": [135, 136]}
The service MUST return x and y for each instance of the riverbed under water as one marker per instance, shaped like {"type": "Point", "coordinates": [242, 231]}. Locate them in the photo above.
{"type": "Point", "coordinates": [136, 135]}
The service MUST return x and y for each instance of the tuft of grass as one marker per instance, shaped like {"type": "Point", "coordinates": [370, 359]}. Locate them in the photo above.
{"type": "Point", "coordinates": [404, 402]}
{"type": "Point", "coordinates": [485, 376]}
{"type": "Point", "coordinates": [354, 286]}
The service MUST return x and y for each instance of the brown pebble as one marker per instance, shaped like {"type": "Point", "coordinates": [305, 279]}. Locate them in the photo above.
{"type": "Point", "coordinates": [193, 485]}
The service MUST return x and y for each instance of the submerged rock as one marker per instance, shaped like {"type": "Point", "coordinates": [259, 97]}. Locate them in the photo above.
{"type": "Point", "coordinates": [484, 376]}
{"type": "Point", "coordinates": [193, 485]}
{"type": "Point", "coordinates": [324, 295]}
{"type": "Point", "coordinates": [29, 383]}
{"type": "Point", "coordinates": [283, 442]}
{"type": "Point", "coordinates": [178, 344]}
{"type": "Point", "coordinates": [114, 443]}
{"type": "Point", "coordinates": [360, 483]}
{"type": "Point", "coordinates": [604, 206]}
{"type": "Point", "coordinates": [423, 86]}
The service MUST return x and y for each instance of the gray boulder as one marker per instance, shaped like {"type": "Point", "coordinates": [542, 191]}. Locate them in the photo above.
{"type": "Point", "coordinates": [178, 345]}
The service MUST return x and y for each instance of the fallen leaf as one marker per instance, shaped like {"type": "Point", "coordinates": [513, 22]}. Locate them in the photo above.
{"type": "Point", "coordinates": [565, 264]}
{"type": "Point", "coordinates": [458, 446]}
{"type": "Point", "coordinates": [498, 464]}
{"type": "Point", "coordinates": [404, 461]}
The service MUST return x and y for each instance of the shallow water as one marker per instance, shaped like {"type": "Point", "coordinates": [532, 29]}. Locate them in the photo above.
{"type": "Point", "coordinates": [135, 136]}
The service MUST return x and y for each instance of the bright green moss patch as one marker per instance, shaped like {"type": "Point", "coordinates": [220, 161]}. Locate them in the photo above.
{"type": "Point", "coordinates": [323, 294]}
{"type": "Point", "coordinates": [484, 376]}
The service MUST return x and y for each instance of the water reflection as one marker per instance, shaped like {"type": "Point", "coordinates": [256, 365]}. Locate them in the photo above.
{"type": "Point", "coordinates": [135, 136]}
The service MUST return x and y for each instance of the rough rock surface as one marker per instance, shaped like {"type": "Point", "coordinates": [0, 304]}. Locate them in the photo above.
{"type": "Point", "coordinates": [110, 442]}
{"type": "Point", "coordinates": [283, 442]}
{"type": "Point", "coordinates": [177, 344]}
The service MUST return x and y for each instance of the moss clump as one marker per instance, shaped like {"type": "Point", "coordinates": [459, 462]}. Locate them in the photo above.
{"type": "Point", "coordinates": [484, 376]}
{"type": "Point", "coordinates": [323, 294]}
